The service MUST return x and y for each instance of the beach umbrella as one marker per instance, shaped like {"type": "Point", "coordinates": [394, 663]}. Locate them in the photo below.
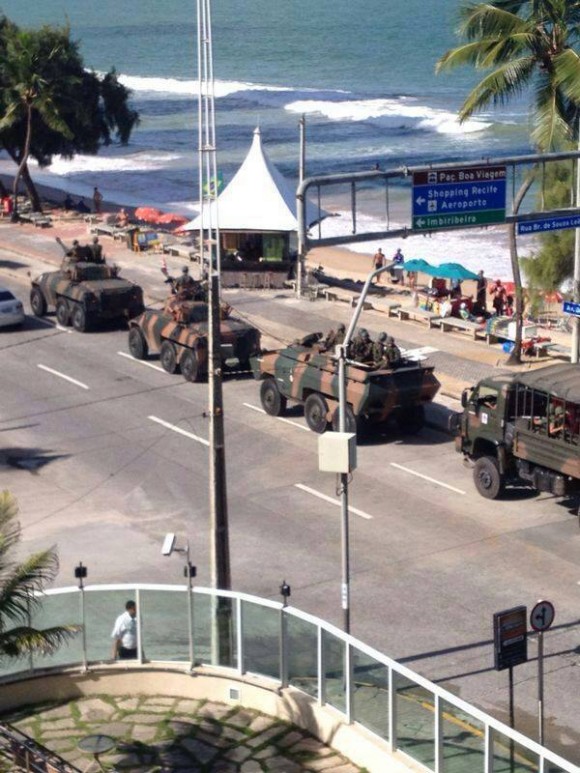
{"type": "Point", "coordinates": [172, 218]}
{"type": "Point", "coordinates": [418, 264]}
{"type": "Point", "coordinates": [454, 271]}
{"type": "Point", "coordinates": [148, 214]}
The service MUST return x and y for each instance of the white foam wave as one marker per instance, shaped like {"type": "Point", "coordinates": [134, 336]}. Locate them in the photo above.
{"type": "Point", "coordinates": [189, 88]}
{"type": "Point", "coordinates": [80, 164]}
{"type": "Point", "coordinates": [438, 120]}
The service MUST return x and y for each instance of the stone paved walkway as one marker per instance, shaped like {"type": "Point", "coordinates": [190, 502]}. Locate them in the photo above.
{"type": "Point", "coordinates": [156, 734]}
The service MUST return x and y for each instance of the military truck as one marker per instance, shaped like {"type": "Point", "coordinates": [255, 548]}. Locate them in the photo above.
{"type": "Point", "coordinates": [307, 374]}
{"type": "Point", "coordinates": [85, 293]}
{"type": "Point", "coordinates": [179, 333]}
{"type": "Point", "coordinates": [523, 429]}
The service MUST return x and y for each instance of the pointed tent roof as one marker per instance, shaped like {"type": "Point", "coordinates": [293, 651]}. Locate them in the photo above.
{"type": "Point", "coordinates": [258, 198]}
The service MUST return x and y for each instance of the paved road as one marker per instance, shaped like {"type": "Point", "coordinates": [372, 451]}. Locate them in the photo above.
{"type": "Point", "coordinates": [100, 470]}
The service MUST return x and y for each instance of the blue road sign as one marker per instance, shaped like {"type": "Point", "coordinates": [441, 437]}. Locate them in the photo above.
{"type": "Point", "coordinates": [455, 198]}
{"type": "Point", "coordinates": [569, 307]}
{"type": "Point", "coordinates": [543, 224]}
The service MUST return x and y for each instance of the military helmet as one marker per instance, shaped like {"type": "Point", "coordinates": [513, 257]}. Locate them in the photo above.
{"type": "Point", "coordinates": [185, 270]}
{"type": "Point", "coordinates": [363, 332]}
{"type": "Point", "coordinates": [341, 328]}
{"type": "Point", "coordinates": [382, 336]}
{"type": "Point", "coordinates": [390, 340]}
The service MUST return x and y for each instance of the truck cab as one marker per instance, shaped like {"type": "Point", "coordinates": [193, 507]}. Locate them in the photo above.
{"type": "Point", "coordinates": [523, 428]}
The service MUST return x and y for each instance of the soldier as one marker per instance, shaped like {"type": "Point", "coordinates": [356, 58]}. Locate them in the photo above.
{"type": "Point", "coordinates": [362, 346]}
{"type": "Point", "coordinates": [380, 357]}
{"type": "Point", "coordinates": [393, 353]}
{"type": "Point", "coordinates": [334, 339]}
{"type": "Point", "coordinates": [96, 251]}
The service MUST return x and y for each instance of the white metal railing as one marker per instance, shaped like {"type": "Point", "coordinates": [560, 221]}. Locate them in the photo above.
{"type": "Point", "coordinates": [247, 634]}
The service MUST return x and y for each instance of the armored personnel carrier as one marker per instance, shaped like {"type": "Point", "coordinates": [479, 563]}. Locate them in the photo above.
{"type": "Point", "coordinates": [84, 294]}
{"type": "Point", "coordinates": [179, 333]}
{"type": "Point", "coordinates": [304, 372]}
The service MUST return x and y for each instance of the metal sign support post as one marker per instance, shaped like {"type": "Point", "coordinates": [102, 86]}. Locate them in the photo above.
{"type": "Point", "coordinates": [301, 241]}
{"type": "Point", "coordinates": [541, 687]}
{"type": "Point", "coordinates": [512, 716]}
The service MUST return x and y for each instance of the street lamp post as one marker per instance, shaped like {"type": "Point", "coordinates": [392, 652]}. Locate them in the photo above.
{"type": "Point", "coordinates": [342, 403]}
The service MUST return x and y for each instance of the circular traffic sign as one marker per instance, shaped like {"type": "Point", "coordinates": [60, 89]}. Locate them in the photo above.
{"type": "Point", "coordinates": [542, 615]}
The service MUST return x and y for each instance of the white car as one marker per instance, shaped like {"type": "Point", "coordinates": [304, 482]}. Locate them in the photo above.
{"type": "Point", "coordinates": [11, 309]}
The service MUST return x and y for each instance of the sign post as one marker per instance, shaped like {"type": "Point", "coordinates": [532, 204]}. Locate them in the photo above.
{"type": "Point", "coordinates": [459, 198]}
{"type": "Point", "coordinates": [541, 618]}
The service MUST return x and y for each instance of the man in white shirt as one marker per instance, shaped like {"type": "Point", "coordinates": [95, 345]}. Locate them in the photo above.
{"type": "Point", "coordinates": [124, 633]}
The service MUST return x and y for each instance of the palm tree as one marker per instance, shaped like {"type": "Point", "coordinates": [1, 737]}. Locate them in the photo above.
{"type": "Point", "coordinates": [523, 45]}
{"type": "Point", "coordinates": [18, 582]}
{"type": "Point", "coordinates": [28, 91]}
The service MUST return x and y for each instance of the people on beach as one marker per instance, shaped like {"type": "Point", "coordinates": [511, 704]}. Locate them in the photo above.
{"type": "Point", "coordinates": [378, 262]}
{"type": "Point", "coordinates": [122, 218]}
{"type": "Point", "coordinates": [481, 295]}
{"type": "Point", "coordinates": [395, 270]}
{"type": "Point", "coordinates": [68, 203]}
{"type": "Point", "coordinates": [499, 294]}
{"type": "Point", "coordinates": [97, 200]}
{"type": "Point", "coordinates": [82, 207]}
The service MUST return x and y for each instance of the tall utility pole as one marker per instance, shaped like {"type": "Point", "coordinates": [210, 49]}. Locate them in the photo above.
{"type": "Point", "coordinates": [210, 240]}
{"type": "Point", "coordinates": [301, 175]}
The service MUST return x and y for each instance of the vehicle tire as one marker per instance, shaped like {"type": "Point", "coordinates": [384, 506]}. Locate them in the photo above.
{"type": "Point", "coordinates": [352, 423]}
{"type": "Point", "coordinates": [315, 412]}
{"type": "Point", "coordinates": [137, 344]}
{"type": "Point", "coordinates": [487, 477]}
{"type": "Point", "coordinates": [190, 369]}
{"type": "Point", "coordinates": [411, 420]}
{"type": "Point", "coordinates": [273, 401]}
{"type": "Point", "coordinates": [79, 319]}
{"type": "Point", "coordinates": [37, 302]}
{"type": "Point", "coordinates": [168, 357]}
{"type": "Point", "coordinates": [62, 313]}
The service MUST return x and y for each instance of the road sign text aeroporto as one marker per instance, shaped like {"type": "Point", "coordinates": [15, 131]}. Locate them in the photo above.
{"type": "Point", "coordinates": [459, 197]}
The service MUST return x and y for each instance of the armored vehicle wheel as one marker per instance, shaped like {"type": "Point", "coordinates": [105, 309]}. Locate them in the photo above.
{"type": "Point", "coordinates": [168, 357]}
{"type": "Point", "coordinates": [62, 313]}
{"type": "Point", "coordinates": [80, 321]}
{"type": "Point", "coordinates": [37, 302]}
{"type": "Point", "coordinates": [352, 423]}
{"type": "Point", "coordinates": [411, 420]}
{"type": "Point", "coordinates": [273, 402]}
{"type": "Point", "coordinates": [315, 412]}
{"type": "Point", "coordinates": [190, 369]}
{"type": "Point", "coordinates": [137, 344]}
{"type": "Point", "coordinates": [487, 477]}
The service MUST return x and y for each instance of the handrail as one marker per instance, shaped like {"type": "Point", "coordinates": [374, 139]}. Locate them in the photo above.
{"type": "Point", "coordinates": [279, 645]}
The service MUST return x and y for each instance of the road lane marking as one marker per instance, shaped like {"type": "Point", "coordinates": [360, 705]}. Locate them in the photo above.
{"type": "Point", "coordinates": [426, 477]}
{"type": "Point", "coordinates": [53, 325]}
{"type": "Point", "coordinates": [332, 500]}
{"type": "Point", "coordinates": [280, 418]}
{"type": "Point", "coordinates": [62, 375]}
{"type": "Point", "coordinates": [142, 362]}
{"type": "Point", "coordinates": [418, 354]}
{"type": "Point", "coordinates": [180, 431]}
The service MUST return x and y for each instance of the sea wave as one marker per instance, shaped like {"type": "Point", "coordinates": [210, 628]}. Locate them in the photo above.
{"type": "Point", "coordinates": [189, 88]}
{"type": "Point", "coordinates": [123, 162]}
{"type": "Point", "coordinates": [435, 119]}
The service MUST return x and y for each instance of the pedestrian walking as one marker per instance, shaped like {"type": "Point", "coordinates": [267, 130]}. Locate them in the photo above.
{"type": "Point", "coordinates": [378, 262]}
{"type": "Point", "coordinates": [97, 200]}
{"type": "Point", "coordinates": [481, 292]}
{"type": "Point", "coordinates": [124, 634]}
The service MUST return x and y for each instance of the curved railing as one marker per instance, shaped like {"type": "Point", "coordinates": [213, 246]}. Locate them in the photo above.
{"type": "Point", "coordinates": [251, 635]}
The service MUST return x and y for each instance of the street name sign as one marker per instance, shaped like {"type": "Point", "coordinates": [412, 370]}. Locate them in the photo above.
{"type": "Point", "coordinates": [569, 307]}
{"type": "Point", "coordinates": [543, 224]}
{"type": "Point", "coordinates": [458, 198]}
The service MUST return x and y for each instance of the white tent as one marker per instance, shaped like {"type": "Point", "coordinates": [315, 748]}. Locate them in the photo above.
{"type": "Point", "coordinates": [259, 198]}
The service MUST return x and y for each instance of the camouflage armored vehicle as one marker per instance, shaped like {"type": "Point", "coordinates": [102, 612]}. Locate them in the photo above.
{"type": "Point", "coordinates": [305, 373]}
{"type": "Point", "coordinates": [179, 333]}
{"type": "Point", "coordinates": [523, 429]}
{"type": "Point", "coordinates": [84, 294]}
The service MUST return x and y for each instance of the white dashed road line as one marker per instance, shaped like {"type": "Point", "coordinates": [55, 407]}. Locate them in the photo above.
{"type": "Point", "coordinates": [418, 354]}
{"type": "Point", "coordinates": [280, 418]}
{"type": "Point", "coordinates": [63, 376]}
{"type": "Point", "coordinates": [179, 431]}
{"type": "Point", "coordinates": [426, 477]}
{"type": "Point", "coordinates": [332, 500]}
{"type": "Point", "coordinates": [141, 362]}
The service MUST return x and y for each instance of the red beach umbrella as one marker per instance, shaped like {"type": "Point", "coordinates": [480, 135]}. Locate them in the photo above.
{"type": "Point", "coordinates": [148, 214]}
{"type": "Point", "coordinates": [172, 218]}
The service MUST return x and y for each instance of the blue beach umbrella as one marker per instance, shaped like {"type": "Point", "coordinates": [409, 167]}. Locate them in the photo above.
{"type": "Point", "coordinates": [454, 271]}
{"type": "Point", "coordinates": [418, 264]}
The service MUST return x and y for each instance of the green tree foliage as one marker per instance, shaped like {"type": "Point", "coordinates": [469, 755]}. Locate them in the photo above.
{"type": "Point", "coordinates": [523, 45]}
{"type": "Point", "coordinates": [554, 260]}
{"type": "Point", "coordinates": [50, 104]}
{"type": "Point", "coordinates": [18, 582]}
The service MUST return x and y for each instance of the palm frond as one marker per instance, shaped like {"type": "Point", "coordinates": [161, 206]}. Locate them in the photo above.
{"type": "Point", "coordinates": [567, 74]}
{"type": "Point", "coordinates": [551, 130]}
{"type": "Point", "coordinates": [19, 583]}
{"type": "Point", "coordinates": [23, 639]}
{"type": "Point", "coordinates": [489, 20]}
{"type": "Point", "coordinates": [498, 87]}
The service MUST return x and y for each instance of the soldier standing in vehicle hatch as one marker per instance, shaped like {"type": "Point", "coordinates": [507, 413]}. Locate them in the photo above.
{"type": "Point", "coordinates": [380, 356]}
{"type": "Point", "coordinates": [334, 339]}
{"type": "Point", "coordinates": [361, 348]}
{"type": "Point", "coordinates": [393, 353]}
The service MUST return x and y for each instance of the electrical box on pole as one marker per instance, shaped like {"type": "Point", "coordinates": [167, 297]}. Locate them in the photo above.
{"type": "Point", "coordinates": [337, 452]}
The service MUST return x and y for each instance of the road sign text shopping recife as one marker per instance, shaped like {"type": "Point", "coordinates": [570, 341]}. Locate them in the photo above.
{"type": "Point", "coordinates": [459, 198]}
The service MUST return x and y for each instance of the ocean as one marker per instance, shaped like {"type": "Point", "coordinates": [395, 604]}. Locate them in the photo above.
{"type": "Point", "coordinates": [361, 73]}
